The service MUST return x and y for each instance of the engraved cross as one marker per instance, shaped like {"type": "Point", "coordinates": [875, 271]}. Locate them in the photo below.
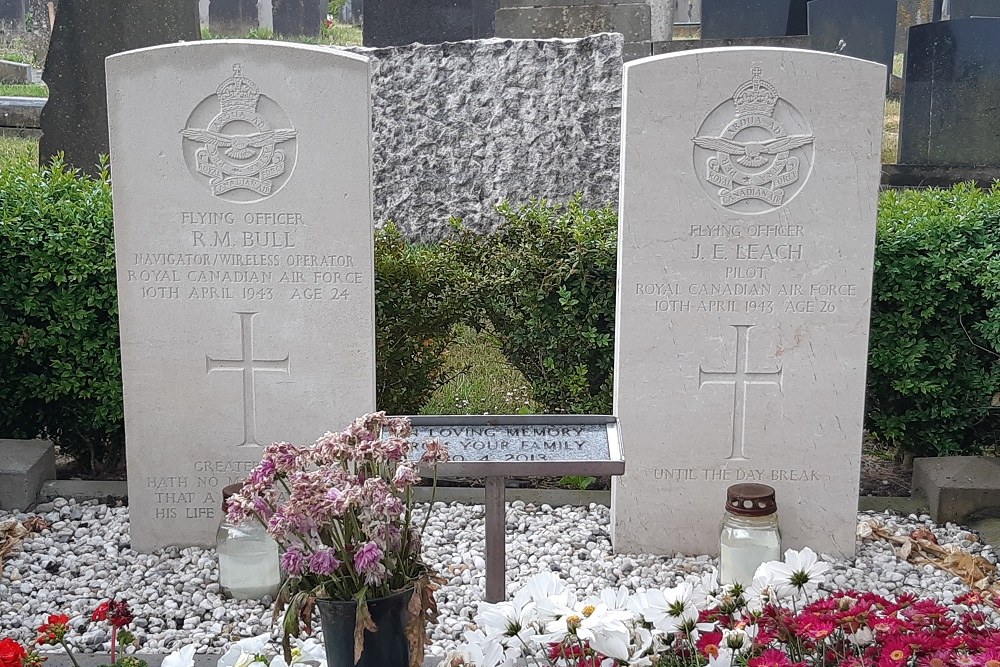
{"type": "Point", "coordinates": [741, 378]}
{"type": "Point", "coordinates": [249, 365]}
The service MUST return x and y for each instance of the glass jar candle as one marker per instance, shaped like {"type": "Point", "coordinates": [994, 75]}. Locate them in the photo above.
{"type": "Point", "coordinates": [749, 534]}
{"type": "Point", "coordinates": [248, 557]}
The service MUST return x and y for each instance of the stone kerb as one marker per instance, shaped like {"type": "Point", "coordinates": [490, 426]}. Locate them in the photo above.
{"type": "Point", "coordinates": [245, 264]}
{"type": "Point", "coordinates": [746, 238]}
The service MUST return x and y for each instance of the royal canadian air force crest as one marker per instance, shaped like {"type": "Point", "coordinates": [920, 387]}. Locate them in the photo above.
{"type": "Point", "coordinates": [247, 149]}
{"type": "Point", "coordinates": [758, 158]}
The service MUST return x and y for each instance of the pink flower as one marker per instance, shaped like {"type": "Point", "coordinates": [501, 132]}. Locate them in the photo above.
{"type": "Point", "coordinates": [400, 427]}
{"type": "Point", "coordinates": [323, 562]}
{"type": "Point", "coordinates": [368, 557]}
{"type": "Point", "coordinates": [405, 477]}
{"type": "Point", "coordinates": [285, 456]}
{"type": "Point", "coordinates": [394, 449]}
{"type": "Point", "coordinates": [292, 562]}
{"type": "Point", "coordinates": [436, 452]}
{"type": "Point", "coordinates": [770, 658]}
{"type": "Point", "coordinates": [263, 474]}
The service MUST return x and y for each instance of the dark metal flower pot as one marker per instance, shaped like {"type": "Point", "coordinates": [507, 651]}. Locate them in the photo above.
{"type": "Point", "coordinates": [386, 647]}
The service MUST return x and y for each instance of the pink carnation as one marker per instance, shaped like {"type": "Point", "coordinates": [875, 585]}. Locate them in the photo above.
{"type": "Point", "coordinates": [368, 557]}
{"type": "Point", "coordinates": [292, 562]}
{"type": "Point", "coordinates": [323, 562]}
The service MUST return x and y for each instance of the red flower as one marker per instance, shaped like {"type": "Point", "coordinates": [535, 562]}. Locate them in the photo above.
{"type": "Point", "coordinates": [11, 653]}
{"type": "Point", "coordinates": [770, 658]}
{"type": "Point", "coordinates": [53, 631]}
{"type": "Point", "coordinates": [101, 613]}
{"type": "Point", "coordinates": [118, 613]}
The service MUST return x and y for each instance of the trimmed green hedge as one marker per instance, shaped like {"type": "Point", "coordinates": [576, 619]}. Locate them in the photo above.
{"type": "Point", "coordinates": [547, 285]}
{"type": "Point", "coordinates": [545, 282]}
{"type": "Point", "coordinates": [933, 367]}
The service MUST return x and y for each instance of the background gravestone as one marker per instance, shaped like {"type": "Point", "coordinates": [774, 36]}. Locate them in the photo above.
{"type": "Point", "coordinates": [687, 12]}
{"type": "Point", "coordinates": [233, 18]}
{"type": "Point", "coordinates": [243, 240]}
{"type": "Point", "coordinates": [858, 28]}
{"type": "Point", "coordinates": [911, 13]}
{"type": "Point", "coordinates": [966, 9]}
{"type": "Point", "coordinates": [952, 84]}
{"type": "Point", "coordinates": [12, 14]}
{"type": "Point", "coordinates": [723, 19]}
{"type": "Point", "coordinates": [547, 19]}
{"type": "Point", "coordinates": [747, 226]}
{"type": "Point", "coordinates": [298, 17]}
{"type": "Point", "coordinates": [395, 23]}
{"type": "Point", "coordinates": [75, 118]}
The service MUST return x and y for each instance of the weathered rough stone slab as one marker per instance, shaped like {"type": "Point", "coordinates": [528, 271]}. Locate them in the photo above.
{"type": "Point", "coordinates": [747, 225]}
{"type": "Point", "coordinates": [75, 120]}
{"type": "Point", "coordinates": [460, 127]}
{"type": "Point", "coordinates": [243, 239]}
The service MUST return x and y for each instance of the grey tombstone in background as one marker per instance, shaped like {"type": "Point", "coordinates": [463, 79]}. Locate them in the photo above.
{"type": "Point", "coordinates": [724, 19]}
{"type": "Point", "coordinates": [232, 18]}
{"type": "Point", "coordinates": [243, 238]}
{"type": "Point", "coordinates": [75, 118]}
{"type": "Point", "coordinates": [859, 28]}
{"type": "Point", "coordinates": [914, 12]}
{"type": "Point", "coordinates": [687, 12]}
{"type": "Point", "coordinates": [12, 14]}
{"type": "Point", "coordinates": [298, 17]}
{"type": "Point", "coordinates": [203, 12]}
{"type": "Point", "coordinates": [952, 84]}
{"type": "Point", "coordinates": [396, 23]}
{"type": "Point", "coordinates": [967, 9]}
{"type": "Point", "coordinates": [746, 237]}
{"type": "Point", "coordinates": [547, 19]}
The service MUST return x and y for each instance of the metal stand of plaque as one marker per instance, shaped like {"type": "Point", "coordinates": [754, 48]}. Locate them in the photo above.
{"type": "Point", "coordinates": [501, 446]}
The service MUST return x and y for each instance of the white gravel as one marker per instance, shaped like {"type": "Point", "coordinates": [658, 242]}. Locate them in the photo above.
{"type": "Point", "coordinates": [86, 558]}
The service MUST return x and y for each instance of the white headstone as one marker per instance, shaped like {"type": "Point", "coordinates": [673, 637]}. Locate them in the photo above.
{"type": "Point", "coordinates": [203, 12]}
{"type": "Point", "coordinates": [265, 14]}
{"type": "Point", "coordinates": [244, 246]}
{"type": "Point", "coordinates": [747, 224]}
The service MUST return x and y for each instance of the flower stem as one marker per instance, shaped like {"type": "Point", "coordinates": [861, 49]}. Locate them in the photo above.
{"type": "Point", "coordinates": [69, 653]}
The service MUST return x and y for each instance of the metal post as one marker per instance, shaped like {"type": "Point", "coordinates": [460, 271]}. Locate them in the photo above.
{"type": "Point", "coordinates": [496, 540]}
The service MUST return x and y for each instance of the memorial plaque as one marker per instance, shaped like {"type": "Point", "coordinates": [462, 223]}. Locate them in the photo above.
{"type": "Point", "coordinates": [523, 445]}
{"type": "Point", "coordinates": [747, 224]}
{"type": "Point", "coordinates": [243, 238]}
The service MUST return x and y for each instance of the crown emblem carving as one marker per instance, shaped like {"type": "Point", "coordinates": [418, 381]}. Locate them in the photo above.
{"type": "Point", "coordinates": [238, 93]}
{"type": "Point", "coordinates": [756, 96]}
{"type": "Point", "coordinates": [233, 158]}
{"type": "Point", "coordinates": [753, 157]}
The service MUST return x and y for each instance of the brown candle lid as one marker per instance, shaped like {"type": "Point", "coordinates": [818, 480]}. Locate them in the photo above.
{"type": "Point", "coordinates": [750, 500]}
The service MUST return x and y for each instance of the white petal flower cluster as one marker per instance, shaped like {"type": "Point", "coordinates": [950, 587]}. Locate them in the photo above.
{"type": "Point", "coordinates": [254, 652]}
{"type": "Point", "coordinates": [546, 623]}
